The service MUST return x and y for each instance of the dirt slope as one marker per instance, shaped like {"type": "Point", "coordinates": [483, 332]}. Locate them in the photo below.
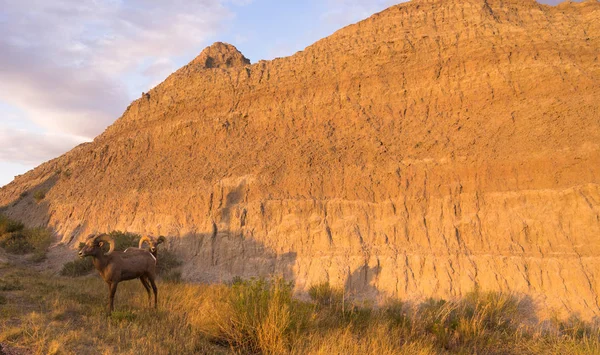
{"type": "Point", "coordinates": [435, 147]}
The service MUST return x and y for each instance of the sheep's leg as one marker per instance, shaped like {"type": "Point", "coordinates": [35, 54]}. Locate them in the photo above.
{"type": "Point", "coordinates": [113, 290]}
{"type": "Point", "coordinates": [155, 289]}
{"type": "Point", "coordinates": [147, 287]}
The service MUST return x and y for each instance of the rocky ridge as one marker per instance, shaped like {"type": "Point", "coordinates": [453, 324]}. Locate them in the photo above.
{"type": "Point", "coordinates": [432, 148]}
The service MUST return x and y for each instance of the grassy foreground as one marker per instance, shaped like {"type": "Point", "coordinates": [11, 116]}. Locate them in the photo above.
{"type": "Point", "coordinates": [47, 314]}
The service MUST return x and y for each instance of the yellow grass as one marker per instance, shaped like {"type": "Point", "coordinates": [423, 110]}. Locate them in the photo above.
{"type": "Point", "coordinates": [48, 314]}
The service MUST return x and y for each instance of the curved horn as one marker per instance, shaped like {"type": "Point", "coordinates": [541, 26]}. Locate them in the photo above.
{"type": "Point", "coordinates": [144, 239]}
{"type": "Point", "coordinates": [160, 240]}
{"type": "Point", "coordinates": [107, 238]}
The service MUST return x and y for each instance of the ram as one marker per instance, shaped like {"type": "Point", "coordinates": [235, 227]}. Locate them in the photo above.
{"type": "Point", "coordinates": [117, 266]}
{"type": "Point", "coordinates": [152, 243]}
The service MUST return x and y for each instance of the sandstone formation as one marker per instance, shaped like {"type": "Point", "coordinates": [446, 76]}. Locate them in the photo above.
{"type": "Point", "coordinates": [435, 147]}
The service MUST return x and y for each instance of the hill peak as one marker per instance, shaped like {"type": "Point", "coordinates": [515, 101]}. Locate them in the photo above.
{"type": "Point", "coordinates": [220, 55]}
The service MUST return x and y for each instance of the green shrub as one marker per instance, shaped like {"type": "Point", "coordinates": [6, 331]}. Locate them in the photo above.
{"type": "Point", "coordinates": [16, 243]}
{"type": "Point", "coordinates": [9, 226]}
{"type": "Point", "coordinates": [166, 262]}
{"type": "Point", "coordinates": [77, 267]}
{"type": "Point", "coordinates": [397, 314]}
{"type": "Point", "coordinates": [124, 240]}
{"type": "Point", "coordinates": [324, 295]}
{"type": "Point", "coordinates": [575, 328]}
{"type": "Point", "coordinates": [39, 238]}
{"type": "Point", "coordinates": [17, 239]}
{"type": "Point", "coordinates": [39, 195]}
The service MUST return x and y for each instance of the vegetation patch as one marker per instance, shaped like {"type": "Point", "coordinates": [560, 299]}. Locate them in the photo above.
{"type": "Point", "coordinates": [324, 295]}
{"type": "Point", "coordinates": [16, 239]}
{"type": "Point", "coordinates": [39, 195]}
{"type": "Point", "coordinates": [7, 225]}
{"type": "Point", "coordinates": [10, 285]}
{"type": "Point", "coordinates": [44, 314]}
{"type": "Point", "coordinates": [258, 316]}
{"type": "Point", "coordinates": [167, 261]}
{"type": "Point", "coordinates": [77, 267]}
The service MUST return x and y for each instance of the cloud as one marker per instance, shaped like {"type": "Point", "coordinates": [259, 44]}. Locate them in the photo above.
{"type": "Point", "coordinates": [30, 148]}
{"type": "Point", "coordinates": [63, 62]}
{"type": "Point", "coordinates": [555, 2]}
{"type": "Point", "coordinates": [344, 12]}
{"type": "Point", "coordinates": [70, 67]}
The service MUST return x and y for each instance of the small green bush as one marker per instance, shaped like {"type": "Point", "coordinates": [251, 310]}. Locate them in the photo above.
{"type": "Point", "coordinates": [16, 243]}
{"type": "Point", "coordinates": [124, 240]}
{"type": "Point", "coordinates": [7, 225]}
{"type": "Point", "coordinates": [397, 313]}
{"type": "Point", "coordinates": [324, 295]}
{"type": "Point", "coordinates": [16, 239]}
{"type": "Point", "coordinates": [39, 195]}
{"type": "Point", "coordinates": [77, 267]}
{"type": "Point", "coordinates": [39, 238]}
{"type": "Point", "coordinates": [166, 262]}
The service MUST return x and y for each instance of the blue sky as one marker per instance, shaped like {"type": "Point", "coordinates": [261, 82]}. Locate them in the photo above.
{"type": "Point", "coordinates": [69, 68]}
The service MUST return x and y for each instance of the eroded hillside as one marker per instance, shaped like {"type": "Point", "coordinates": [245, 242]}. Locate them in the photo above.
{"type": "Point", "coordinates": [435, 147]}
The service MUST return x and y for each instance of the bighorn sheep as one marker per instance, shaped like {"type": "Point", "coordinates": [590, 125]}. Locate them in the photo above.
{"type": "Point", "coordinates": [117, 266]}
{"type": "Point", "coordinates": [152, 242]}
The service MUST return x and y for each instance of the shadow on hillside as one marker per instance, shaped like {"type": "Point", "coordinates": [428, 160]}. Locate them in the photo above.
{"type": "Point", "coordinates": [31, 206]}
{"type": "Point", "coordinates": [220, 256]}
{"type": "Point", "coordinates": [360, 284]}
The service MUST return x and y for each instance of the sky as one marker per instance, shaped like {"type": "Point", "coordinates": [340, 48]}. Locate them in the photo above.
{"type": "Point", "coordinates": [69, 68]}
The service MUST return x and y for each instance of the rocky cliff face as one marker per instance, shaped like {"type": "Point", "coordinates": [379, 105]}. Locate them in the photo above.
{"type": "Point", "coordinates": [435, 147]}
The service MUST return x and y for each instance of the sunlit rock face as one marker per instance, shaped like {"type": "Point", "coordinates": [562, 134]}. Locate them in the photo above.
{"type": "Point", "coordinates": [436, 147]}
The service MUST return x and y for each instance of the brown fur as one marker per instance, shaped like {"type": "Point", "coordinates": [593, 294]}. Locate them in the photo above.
{"type": "Point", "coordinates": [116, 266]}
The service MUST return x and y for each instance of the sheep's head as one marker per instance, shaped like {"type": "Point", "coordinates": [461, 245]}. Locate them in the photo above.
{"type": "Point", "coordinates": [152, 242]}
{"type": "Point", "coordinates": [94, 243]}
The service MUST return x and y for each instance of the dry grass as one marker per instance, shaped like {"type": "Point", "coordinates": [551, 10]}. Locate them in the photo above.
{"type": "Point", "coordinates": [59, 315]}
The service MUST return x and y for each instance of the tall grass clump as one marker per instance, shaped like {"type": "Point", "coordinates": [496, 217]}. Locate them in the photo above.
{"type": "Point", "coordinates": [258, 316]}
{"type": "Point", "coordinates": [478, 320]}
{"type": "Point", "coordinates": [325, 295]}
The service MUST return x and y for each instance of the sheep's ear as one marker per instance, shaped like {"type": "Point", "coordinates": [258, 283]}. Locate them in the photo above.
{"type": "Point", "coordinates": [161, 239]}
